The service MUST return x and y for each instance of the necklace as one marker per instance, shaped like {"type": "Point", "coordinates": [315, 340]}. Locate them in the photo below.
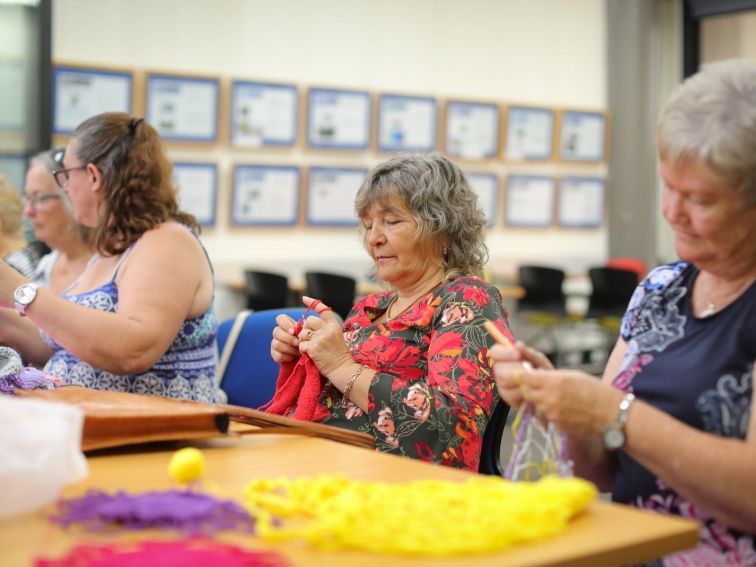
{"type": "Point", "coordinates": [710, 310]}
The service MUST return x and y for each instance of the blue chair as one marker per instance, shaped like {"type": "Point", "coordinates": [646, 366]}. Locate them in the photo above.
{"type": "Point", "coordinates": [251, 373]}
{"type": "Point", "coordinates": [490, 455]}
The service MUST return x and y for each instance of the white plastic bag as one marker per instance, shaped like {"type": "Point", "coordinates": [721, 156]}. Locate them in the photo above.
{"type": "Point", "coordinates": [40, 452]}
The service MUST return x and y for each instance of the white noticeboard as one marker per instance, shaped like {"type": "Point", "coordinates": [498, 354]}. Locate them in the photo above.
{"type": "Point", "coordinates": [581, 202]}
{"type": "Point", "coordinates": [265, 195]}
{"type": "Point", "coordinates": [79, 94]}
{"type": "Point", "coordinates": [197, 184]}
{"type": "Point", "coordinates": [183, 109]}
{"type": "Point", "coordinates": [263, 114]}
{"type": "Point", "coordinates": [486, 185]}
{"type": "Point", "coordinates": [331, 193]}
{"type": "Point", "coordinates": [529, 201]}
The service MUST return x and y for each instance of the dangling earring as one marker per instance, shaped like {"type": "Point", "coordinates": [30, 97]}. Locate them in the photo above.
{"type": "Point", "coordinates": [445, 251]}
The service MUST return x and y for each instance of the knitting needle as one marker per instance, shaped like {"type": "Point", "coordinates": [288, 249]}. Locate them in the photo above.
{"type": "Point", "coordinates": [499, 337]}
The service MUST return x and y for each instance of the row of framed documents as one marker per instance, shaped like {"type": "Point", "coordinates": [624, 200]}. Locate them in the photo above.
{"type": "Point", "coordinates": [264, 114]}
{"type": "Point", "coordinates": [269, 195]}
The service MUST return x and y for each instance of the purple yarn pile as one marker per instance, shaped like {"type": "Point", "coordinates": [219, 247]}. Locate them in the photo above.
{"type": "Point", "coordinates": [27, 379]}
{"type": "Point", "coordinates": [185, 511]}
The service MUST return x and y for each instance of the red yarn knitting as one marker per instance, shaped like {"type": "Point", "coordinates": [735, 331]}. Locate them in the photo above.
{"type": "Point", "coordinates": [299, 384]}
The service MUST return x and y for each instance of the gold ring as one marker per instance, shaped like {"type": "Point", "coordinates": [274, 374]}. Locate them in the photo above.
{"type": "Point", "coordinates": [517, 376]}
{"type": "Point", "coordinates": [309, 334]}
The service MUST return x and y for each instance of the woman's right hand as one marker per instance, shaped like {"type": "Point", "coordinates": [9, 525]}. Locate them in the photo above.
{"type": "Point", "coordinates": [285, 346]}
{"type": "Point", "coordinates": [509, 366]}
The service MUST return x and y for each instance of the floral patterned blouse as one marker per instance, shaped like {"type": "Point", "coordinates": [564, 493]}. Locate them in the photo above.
{"type": "Point", "coordinates": [434, 390]}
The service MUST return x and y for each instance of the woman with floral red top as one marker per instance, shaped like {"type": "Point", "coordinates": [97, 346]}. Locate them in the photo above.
{"type": "Point", "coordinates": [410, 365]}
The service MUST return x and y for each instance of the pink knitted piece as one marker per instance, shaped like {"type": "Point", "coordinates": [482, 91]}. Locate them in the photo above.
{"type": "Point", "coordinates": [186, 553]}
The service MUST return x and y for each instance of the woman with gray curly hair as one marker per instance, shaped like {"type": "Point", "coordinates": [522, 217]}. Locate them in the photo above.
{"type": "Point", "coordinates": [410, 365]}
{"type": "Point", "coordinates": [672, 427]}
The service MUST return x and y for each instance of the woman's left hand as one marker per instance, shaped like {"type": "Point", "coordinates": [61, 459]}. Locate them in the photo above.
{"type": "Point", "coordinates": [322, 338]}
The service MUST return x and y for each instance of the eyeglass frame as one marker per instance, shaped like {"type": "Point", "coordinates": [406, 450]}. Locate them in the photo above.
{"type": "Point", "coordinates": [64, 171]}
{"type": "Point", "coordinates": [35, 200]}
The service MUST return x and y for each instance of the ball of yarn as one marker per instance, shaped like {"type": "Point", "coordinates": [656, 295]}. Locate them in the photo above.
{"type": "Point", "coordinates": [187, 464]}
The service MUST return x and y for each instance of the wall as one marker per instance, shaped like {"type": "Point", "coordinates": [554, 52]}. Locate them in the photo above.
{"type": "Point", "coordinates": [545, 52]}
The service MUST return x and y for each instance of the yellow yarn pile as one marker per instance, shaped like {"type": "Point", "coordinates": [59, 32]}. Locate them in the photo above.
{"type": "Point", "coordinates": [420, 518]}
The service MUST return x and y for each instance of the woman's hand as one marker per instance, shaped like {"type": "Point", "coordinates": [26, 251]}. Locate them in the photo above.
{"type": "Point", "coordinates": [575, 402]}
{"type": "Point", "coordinates": [322, 338]}
{"type": "Point", "coordinates": [285, 346]}
{"type": "Point", "coordinates": [510, 366]}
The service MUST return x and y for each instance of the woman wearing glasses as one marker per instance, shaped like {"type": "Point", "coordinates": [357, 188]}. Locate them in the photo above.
{"type": "Point", "coordinates": [140, 317]}
{"type": "Point", "coordinates": [51, 216]}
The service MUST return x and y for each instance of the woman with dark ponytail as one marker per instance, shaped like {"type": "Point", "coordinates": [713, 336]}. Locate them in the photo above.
{"type": "Point", "coordinates": [140, 317]}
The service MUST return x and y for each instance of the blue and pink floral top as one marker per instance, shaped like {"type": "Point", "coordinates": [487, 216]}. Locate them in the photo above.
{"type": "Point", "coordinates": [698, 370]}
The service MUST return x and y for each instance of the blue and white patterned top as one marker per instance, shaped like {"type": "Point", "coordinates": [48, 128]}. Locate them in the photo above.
{"type": "Point", "coordinates": [699, 371]}
{"type": "Point", "coordinates": [185, 371]}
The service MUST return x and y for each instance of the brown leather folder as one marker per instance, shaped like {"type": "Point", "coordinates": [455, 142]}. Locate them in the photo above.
{"type": "Point", "coordinates": [113, 419]}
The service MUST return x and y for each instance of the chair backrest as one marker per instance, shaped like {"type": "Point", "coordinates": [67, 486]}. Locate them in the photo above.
{"type": "Point", "coordinates": [611, 290]}
{"type": "Point", "coordinates": [633, 264]}
{"type": "Point", "coordinates": [543, 290]}
{"type": "Point", "coordinates": [251, 373]}
{"type": "Point", "coordinates": [265, 290]}
{"type": "Point", "coordinates": [490, 456]}
{"type": "Point", "coordinates": [334, 290]}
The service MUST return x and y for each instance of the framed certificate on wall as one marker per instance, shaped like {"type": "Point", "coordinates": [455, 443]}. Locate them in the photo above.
{"type": "Point", "coordinates": [80, 93]}
{"type": "Point", "coordinates": [265, 195]}
{"type": "Point", "coordinates": [183, 109]}
{"type": "Point", "coordinates": [338, 119]}
{"type": "Point", "coordinates": [197, 189]}
{"type": "Point", "coordinates": [486, 186]}
{"type": "Point", "coordinates": [406, 123]}
{"type": "Point", "coordinates": [529, 201]}
{"type": "Point", "coordinates": [472, 130]}
{"type": "Point", "coordinates": [529, 133]}
{"type": "Point", "coordinates": [330, 195]}
{"type": "Point", "coordinates": [582, 136]}
{"type": "Point", "coordinates": [263, 114]}
{"type": "Point", "coordinates": [581, 202]}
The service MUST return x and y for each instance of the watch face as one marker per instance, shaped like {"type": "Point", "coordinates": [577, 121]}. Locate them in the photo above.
{"type": "Point", "coordinates": [614, 438]}
{"type": "Point", "coordinates": [25, 294]}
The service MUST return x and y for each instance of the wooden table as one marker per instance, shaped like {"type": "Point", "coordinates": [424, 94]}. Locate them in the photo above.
{"type": "Point", "coordinates": [607, 534]}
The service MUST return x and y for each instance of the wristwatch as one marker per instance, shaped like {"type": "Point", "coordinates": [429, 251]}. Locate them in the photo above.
{"type": "Point", "coordinates": [24, 295]}
{"type": "Point", "coordinates": [614, 433]}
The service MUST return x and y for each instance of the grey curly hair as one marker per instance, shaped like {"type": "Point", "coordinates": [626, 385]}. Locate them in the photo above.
{"type": "Point", "coordinates": [711, 118]}
{"type": "Point", "coordinates": [439, 198]}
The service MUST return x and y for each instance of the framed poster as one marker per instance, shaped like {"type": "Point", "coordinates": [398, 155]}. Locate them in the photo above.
{"type": "Point", "coordinates": [80, 93]}
{"type": "Point", "coordinates": [338, 119]}
{"type": "Point", "coordinates": [472, 130]}
{"type": "Point", "coordinates": [581, 202]}
{"type": "Point", "coordinates": [265, 195]}
{"type": "Point", "coordinates": [406, 123]}
{"type": "Point", "coordinates": [486, 185]}
{"type": "Point", "coordinates": [14, 167]}
{"type": "Point", "coordinates": [529, 201]}
{"type": "Point", "coordinates": [583, 136]}
{"type": "Point", "coordinates": [263, 114]}
{"type": "Point", "coordinates": [197, 185]}
{"type": "Point", "coordinates": [530, 133]}
{"type": "Point", "coordinates": [330, 195]}
{"type": "Point", "coordinates": [183, 109]}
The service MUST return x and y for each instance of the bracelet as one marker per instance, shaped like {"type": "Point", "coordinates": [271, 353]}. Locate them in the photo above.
{"type": "Point", "coordinates": [352, 379]}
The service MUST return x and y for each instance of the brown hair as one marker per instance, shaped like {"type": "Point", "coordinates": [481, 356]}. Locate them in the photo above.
{"type": "Point", "coordinates": [138, 187]}
{"type": "Point", "coordinates": [11, 208]}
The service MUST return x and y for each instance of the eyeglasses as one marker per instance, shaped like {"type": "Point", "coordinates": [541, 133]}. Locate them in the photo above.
{"type": "Point", "coordinates": [35, 201]}
{"type": "Point", "coordinates": [61, 175]}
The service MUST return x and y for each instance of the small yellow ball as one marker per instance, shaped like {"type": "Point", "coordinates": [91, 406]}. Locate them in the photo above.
{"type": "Point", "coordinates": [187, 464]}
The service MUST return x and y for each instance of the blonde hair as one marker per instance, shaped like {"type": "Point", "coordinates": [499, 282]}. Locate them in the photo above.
{"type": "Point", "coordinates": [11, 208]}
